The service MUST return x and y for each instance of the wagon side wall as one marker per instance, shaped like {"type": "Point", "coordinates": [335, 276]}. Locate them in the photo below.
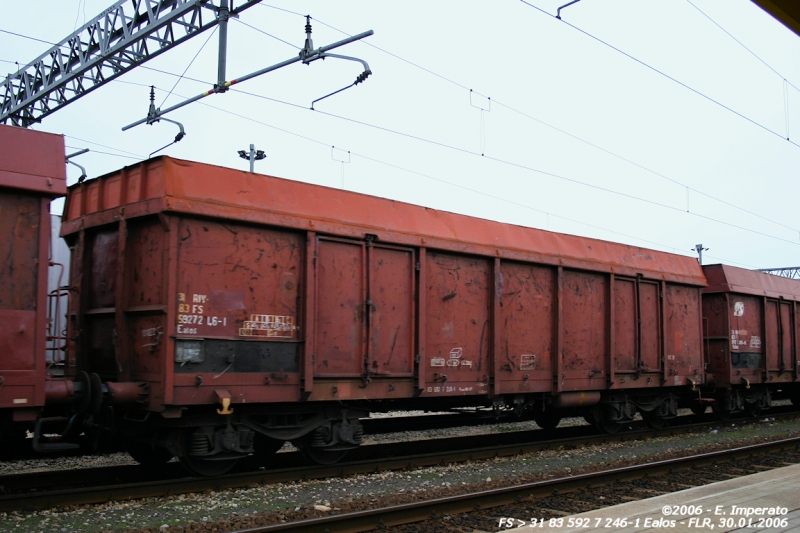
{"type": "Point", "coordinates": [31, 174]}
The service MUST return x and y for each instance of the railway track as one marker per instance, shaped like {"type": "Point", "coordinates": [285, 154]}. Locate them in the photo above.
{"type": "Point", "coordinates": [59, 488]}
{"type": "Point", "coordinates": [372, 426]}
{"type": "Point", "coordinates": [433, 510]}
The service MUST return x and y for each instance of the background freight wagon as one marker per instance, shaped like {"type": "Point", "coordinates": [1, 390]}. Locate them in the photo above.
{"type": "Point", "coordinates": [32, 172]}
{"type": "Point", "coordinates": [751, 335]}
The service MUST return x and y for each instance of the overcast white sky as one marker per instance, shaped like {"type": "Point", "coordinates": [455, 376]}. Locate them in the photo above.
{"type": "Point", "coordinates": [555, 92]}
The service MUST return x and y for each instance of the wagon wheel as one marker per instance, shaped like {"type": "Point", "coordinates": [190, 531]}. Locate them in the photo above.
{"type": "Point", "coordinates": [319, 456]}
{"type": "Point", "coordinates": [145, 453]}
{"type": "Point", "coordinates": [609, 426]}
{"type": "Point", "coordinates": [603, 422]}
{"type": "Point", "coordinates": [207, 467]}
{"type": "Point", "coordinates": [547, 420]}
{"type": "Point", "coordinates": [699, 408]}
{"type": "Point", "coordinates": [752, 409]}
{"type": "Point", "coordinates": [13, 440]}
{"type": "Point", "coordinates": [201, 466]}
{"type": "Point", "coordinates": [795, 399]}
{"type": "Point", "coordinates": [264, 450]}
{"type": "Point", "coordinates": [652, 420]}
{"type": "Point", "coordinates": [721, 414]}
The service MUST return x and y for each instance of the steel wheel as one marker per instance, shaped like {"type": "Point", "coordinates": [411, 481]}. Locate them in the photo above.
{"type": "Point", "coordinates": [319, 456]}
{"type": "Point", "coordinates": [547, 420]}
{"type": "Point", "coordinates": [264, 452]}
{"type": "Point", "coordinates": [13, 440]}
{"type": "Point", "coordinates": [721, 414]}
{"type": "Point", "coordinates": [653, 420]}
{"type": "Point", "coordinates": [202, 466]}
{"type": "Point", "coordinates": [609, 426]}
{"type": "Point", "coordinates": [145, 453]}
{"type": "Point", "coordinates": [602, 421]}
{"type": "Point", "coordinates": [752, 409]}
{"type": "Point", "coordinates": [207, 467]}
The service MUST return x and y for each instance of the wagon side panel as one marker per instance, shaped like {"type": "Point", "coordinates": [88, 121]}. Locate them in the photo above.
{"type": "Point", "coordinates": [585, 337]}
{"type": "Point", "coordinates": [527, 295]}
{"type": "Point", "coordinates": [458, 324]}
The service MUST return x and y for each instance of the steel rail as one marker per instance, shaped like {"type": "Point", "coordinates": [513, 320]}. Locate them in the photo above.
{"type": "Point", "coordinates": [369, 459]}
{"type": "Point", "coordinates": [372, 426]}
{"type": "Point", "coordinates": [418, 511]}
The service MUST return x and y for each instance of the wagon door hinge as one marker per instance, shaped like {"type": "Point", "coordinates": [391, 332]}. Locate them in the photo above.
{"type": "Point", "coordinates": [370, 238]}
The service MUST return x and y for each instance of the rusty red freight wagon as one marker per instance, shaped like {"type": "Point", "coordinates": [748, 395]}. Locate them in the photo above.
{"type": "Point", "coordinates": [751, 335]}
{"type": "Point", "coordinates": [258, 310]}
{"type": "Point", "coordinates": [32, 172]}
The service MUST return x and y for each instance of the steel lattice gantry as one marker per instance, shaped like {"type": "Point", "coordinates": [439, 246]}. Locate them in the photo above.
{"type": "Point", "coordinates": [788, 272]}
{"type": "Point", "coordinates": [122, 37]}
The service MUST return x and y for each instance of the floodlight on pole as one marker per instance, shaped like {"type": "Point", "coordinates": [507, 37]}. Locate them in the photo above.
{"type": "Point", "coordinates": [699, 249]}
{"type": "Point", "coordinates": [253, 155]}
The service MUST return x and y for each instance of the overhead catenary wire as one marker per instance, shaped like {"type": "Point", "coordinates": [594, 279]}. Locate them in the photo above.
{"type": "Point", "coordinates": [529, 168]}
{"type": "Point", "coordinates": [729, 34]}
{"type": "Point", "coordinates": [266, 33]}
{"type": "Point", "coordinates": [104, 146]}
{"type": "Point", "coordinates": [461, 186]}
{"type": "Point", "coordinates": [210, 35]}
{"type": "Point", "coordinates": [107, 153]}
{"type": "Point", "coordinates": [476, 191]}
{"type": "Point", "coordinates": [338, 117]}
{"type": "Point", "coordinates": [375, 160]}
{"type": "Point", "coordinates": [506, 106]}
{"type": "Point", "coordinates": [555, 128]}
{"type": "Point", "coordinates": [28, 37]}
{"type": "Point", "coordinates": [785, 82]}
{"type": "Point", "coordinates": [662, 73]}
{"type": "Point", "coordinates": [78, 14]}
{"type": "Point", "coordinates": [558, 176]}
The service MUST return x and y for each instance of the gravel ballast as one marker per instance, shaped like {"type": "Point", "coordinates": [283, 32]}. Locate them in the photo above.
{"type": "Point", "coordinates": [218, 511]}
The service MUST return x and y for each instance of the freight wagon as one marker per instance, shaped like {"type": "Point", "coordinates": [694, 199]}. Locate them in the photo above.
{"type": "Point", "coordinates": [32, 173]}
{"type": "Point", "coordinates": [226, 312]}
{"type": "Point", "coordinates": [751, 332]}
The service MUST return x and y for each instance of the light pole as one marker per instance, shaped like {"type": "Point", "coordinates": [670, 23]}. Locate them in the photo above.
{"type": "Point", "coordinates": [699, 249]}
{"type": "Point", "coordinates": [253, 155]}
